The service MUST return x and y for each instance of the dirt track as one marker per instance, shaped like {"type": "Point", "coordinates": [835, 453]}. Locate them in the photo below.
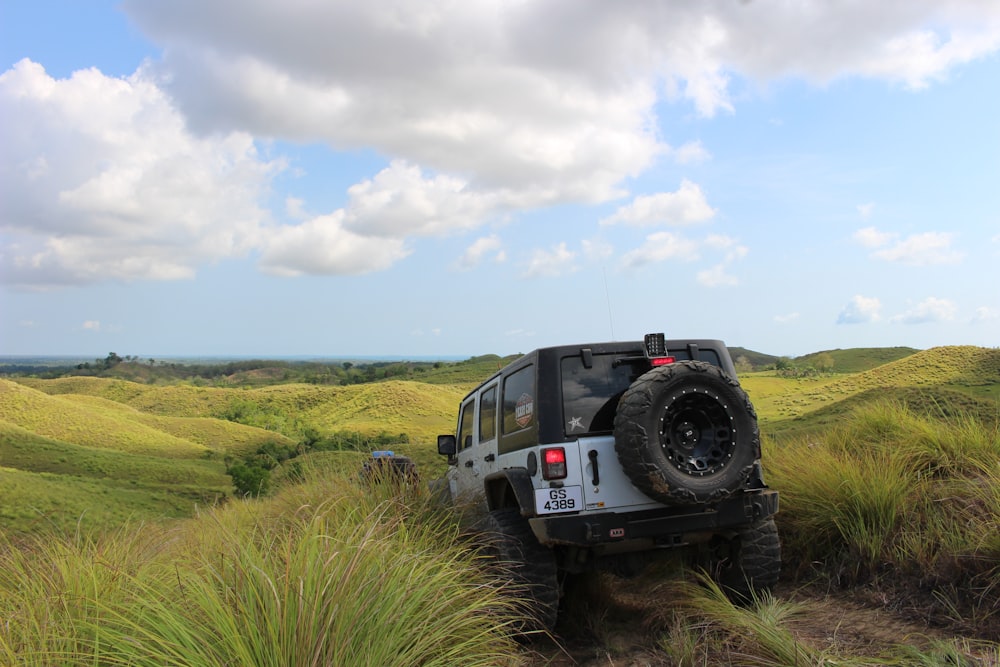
{"type": "Point", "coordinates": [859, 624]}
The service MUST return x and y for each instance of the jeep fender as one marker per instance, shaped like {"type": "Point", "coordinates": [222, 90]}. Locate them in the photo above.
{"type": "Point", "coordinates": [510, 487]}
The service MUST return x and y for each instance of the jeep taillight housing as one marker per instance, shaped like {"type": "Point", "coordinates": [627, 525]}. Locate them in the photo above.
{"type": "Point", "coordinates": [661, 361]}
{"type": "Point", "coordinates": [554, 463]}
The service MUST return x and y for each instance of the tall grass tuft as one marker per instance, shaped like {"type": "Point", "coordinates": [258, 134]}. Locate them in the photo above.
{"type": "Point", "coordinates": [756, 635]}
{"type": "Point", "coordinates": [335, 573]}
{"type": "Point", "coordinates": [891, 493]}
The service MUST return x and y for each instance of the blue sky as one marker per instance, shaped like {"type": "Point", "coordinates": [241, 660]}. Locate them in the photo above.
{"type": "Point", "coordinates": [243, 177]}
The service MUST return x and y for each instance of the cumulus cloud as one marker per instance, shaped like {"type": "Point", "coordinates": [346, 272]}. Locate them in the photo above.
{"type": "Point", "coordinates": [860, 309]}
{"type": "Point", "coordinates": [477, 252]}
{"type": "Point", "coordinates": [930, 309]}
{"type": "Point", "coordinates": [985, 314]}
{"type": "Point", "coordinates": [685, 206]}
{"type": "Point", "coordinates": [402, 201]}
{"type": "Point", "coordinates": [660, 247]}
{"type": "Point", "coordinates": [923, 249]}
{"type": "Point", "coordinates": [865, 210]}
{"type": "Point", "coordinates": [717, 276]}
{"type": "Point", "coordinates": [480, 108]}
{"type": "Point", "coordinates": [101, 180]}
{"type": "Point", "coordinates": [323, 246]}
{"type": "Point", "coordinates": [667, 246]}
{"type": "Point", "coordinates": [690, 153]}
{"type": "Point", "coordinates": [550, 263]}
{"type": "Point", "coordinates": [870, 237]}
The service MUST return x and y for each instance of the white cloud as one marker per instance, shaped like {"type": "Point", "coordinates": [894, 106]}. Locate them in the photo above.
{"type": "Point", "coordinates": [481, 109]}
{"type": "Point", "coordinates": [717, 277]}
{"type": "Point", "coordinates": [660, 247]}
{"type": "Point", "coordinates": [985, 314]}
{"type": "Point", "coordinates": [519, 333]}
{"type": "Point", "coordinates": [322, 246]}
{"type": "Point", "coordinates": [930, 309]}
{"type": "Point", "coordinates": [401, 201]}
{"type": "Point", "coordinates": [476, 253]}
{"type": "Point", "coordinates": [493, 91]}
{"type": "Point", "coordinates": [859, 310]}
{"type": "Point", "coordinates": [691, 153]}
{"type": "Point", "coordinates": [865, 210]}
{"type": "Point", "coordinates": [548, 264]}
{"type": "Point", "coordinates": [870, 237]}
{"type": "Point", "coordinates": [100, 180]}
{"type": "Point", "coordinates": [685, 206]}
{"type": "Point", "coordinates": [786, 318]}
{"type": "Point", "coordinates": [923, 249]}
{"type": "Point", "coordinates": [91, 325]}
{"type": "Point", "coordinates": [596, 250]}
{"type": "Point", "coordinates": [666, 246]}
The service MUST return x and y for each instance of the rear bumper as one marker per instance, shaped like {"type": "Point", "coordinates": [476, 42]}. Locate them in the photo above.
{"type": "Point", "coordinates": [669, 526]}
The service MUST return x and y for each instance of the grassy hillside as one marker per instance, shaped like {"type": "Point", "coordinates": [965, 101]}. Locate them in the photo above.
{"type": "Point", "coordinates": [397, 406]}
{"type": "Point", "coordinates": [29, 452]}
{"type": "Point", "coordinates": [115, 440]}
{"type": "Point", "coordinates": [63, 418]}
{"type": "Point", "coordinates": [958, 378]}
{"type": "Point", "coordinates": [114, 431]}
{"type": "Point", "coordinates": [856, 360]}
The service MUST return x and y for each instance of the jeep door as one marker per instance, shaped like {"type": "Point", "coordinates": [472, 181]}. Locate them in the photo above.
{"type": "Point", "coordinates": [477, 454]}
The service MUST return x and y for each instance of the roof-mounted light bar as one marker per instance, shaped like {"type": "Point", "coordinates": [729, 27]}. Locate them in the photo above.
{"type": "Point", "coordinates": [656, 350]}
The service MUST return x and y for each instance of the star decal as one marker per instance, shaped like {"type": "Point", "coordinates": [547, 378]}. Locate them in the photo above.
{"type": "Point", "coordinates": [575, 422]}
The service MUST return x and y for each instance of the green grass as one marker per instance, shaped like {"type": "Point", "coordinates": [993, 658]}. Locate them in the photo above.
{"type": "Point", "coordinates": [858, 359]}
{"type": "Point", "coordinates": [330, 573]}
{"type": "Point", "coordinates": [35, 502]}
{"type": "Point", "coordinates": [947, 380]}
{"type": "Point", "coordinates": [62, 418]}
{"type": "Point", "coordinates": [892, 495]}
{"type": "Point", "coordinates": [889, 478]}
{"type": "Point", "coordinates": [29, 452]}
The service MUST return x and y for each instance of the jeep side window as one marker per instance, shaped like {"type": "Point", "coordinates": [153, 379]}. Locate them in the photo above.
{"type": "Point", "coordinates": [520, 423]}
{"type": "Point", "coordinates": [590, 395]}
{"type": "Point", "coordinates": [488, 415]}
{"type": "Point", "coordinates": [465, 425]}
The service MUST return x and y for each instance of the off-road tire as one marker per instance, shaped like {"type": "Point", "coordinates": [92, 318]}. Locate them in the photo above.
{"type": "Point", "coordinates": [686, 433]}
{"type": "Point", "coordinates": [753, 562]}
{"type": "Point", "coordinates": [526, 568]}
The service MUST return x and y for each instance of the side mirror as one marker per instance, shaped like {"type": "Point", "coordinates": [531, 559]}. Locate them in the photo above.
{"type": "Point", "coordinates": [447, 445]}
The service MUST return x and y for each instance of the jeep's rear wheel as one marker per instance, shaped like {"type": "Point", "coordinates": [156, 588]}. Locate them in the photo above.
{"type": "Point", "coordinates": [522, 563]}
{"type": "Point", "coordinates": [751, 563]}
{"type": "Point", "coordinates": [686, 432]}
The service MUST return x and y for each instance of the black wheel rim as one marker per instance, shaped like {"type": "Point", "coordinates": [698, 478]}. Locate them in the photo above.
{"type": "Point", "coordinates": [697, 433]}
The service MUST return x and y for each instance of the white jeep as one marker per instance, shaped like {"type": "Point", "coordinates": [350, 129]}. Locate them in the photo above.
{"type": "Point", "coordinates": [586, 457]}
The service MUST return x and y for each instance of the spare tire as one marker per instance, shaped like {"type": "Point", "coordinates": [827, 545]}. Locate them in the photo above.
{"type": "Point", "coordinates": [686, 432]}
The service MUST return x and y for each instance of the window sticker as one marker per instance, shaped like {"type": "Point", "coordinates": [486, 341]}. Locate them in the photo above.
{"type": "Point", "coordinates": [576, 423]}
{"type": "Point", "coordinates": [524, 411]}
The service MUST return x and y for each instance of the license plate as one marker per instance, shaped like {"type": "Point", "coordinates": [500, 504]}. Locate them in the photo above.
{"type": "Point", "coordinates": [563, 499]}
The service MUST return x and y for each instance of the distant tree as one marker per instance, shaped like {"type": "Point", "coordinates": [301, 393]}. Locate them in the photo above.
{"type": "Point", "coordinates": [824, 362]}
{"type": "Point", "coordinates": [250, 480]}
{"type": "Point", "coordinates": [782, 363]}
{"type": "Point", "coordinates": [743, 364]}
{"type": "Point", "coordinates": [111, 360]}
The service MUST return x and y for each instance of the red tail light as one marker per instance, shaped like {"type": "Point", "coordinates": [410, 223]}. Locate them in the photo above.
{"type": "Point", "coordinates": [661, 361]}
{"type": "Point", "coordinates": [554, 463]}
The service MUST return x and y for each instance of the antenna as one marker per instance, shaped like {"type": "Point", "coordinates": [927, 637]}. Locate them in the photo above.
{"type": "Point", "coordinates": [607, 295]}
